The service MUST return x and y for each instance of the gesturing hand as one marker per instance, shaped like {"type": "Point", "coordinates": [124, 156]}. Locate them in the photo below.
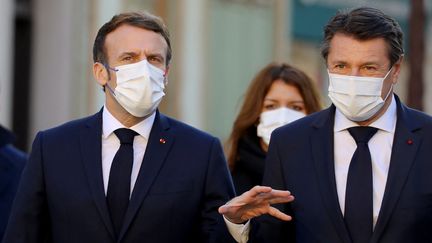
{"type": "Point", "coordinates": [255, 202]}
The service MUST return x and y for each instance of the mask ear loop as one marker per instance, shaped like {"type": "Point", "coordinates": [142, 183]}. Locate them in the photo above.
{"type": "Point", "coordinates": [110, 89]}
{"type": "Point", "coordinates": [388, 73]}
{"type": "Point", "coordinates": [108, 68]}
{"type": "Point", "coordinates": [391, 87]}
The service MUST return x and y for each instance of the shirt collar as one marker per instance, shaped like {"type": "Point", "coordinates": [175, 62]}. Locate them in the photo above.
{"type": "Point", "coordinates": [387, 122]}
{"type": "Point", "coordinates": [110, 124]}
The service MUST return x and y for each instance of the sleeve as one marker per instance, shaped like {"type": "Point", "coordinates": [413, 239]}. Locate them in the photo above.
{"type": "Point", "coordinates": [218, 190]}
{"type": "Point", "coordinates": [267, 228]}
{"type": "Point", "coordinates": [28, 222]}
{"type": "Point", "coordinates": [240, 232]}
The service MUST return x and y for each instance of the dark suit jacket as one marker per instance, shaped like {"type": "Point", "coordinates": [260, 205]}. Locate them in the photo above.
{"type": "Point", "coordinates": [249, 166]}
{"type": "Point", "coordinates": [12, 162]}
{"type": "Point", "coordinates": [301, 160]}
{"type": "Point", "coordinates": [180, 186]}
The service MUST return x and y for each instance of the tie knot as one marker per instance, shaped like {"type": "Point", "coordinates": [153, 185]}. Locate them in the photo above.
{"type": "Point", "coordinates": [126, 136]}
{"type": "Point", "coordinates": [362, 134]}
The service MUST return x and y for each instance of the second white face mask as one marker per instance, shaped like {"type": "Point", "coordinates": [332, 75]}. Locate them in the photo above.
{"type": "Point", "coordinates": [140, 87]}
{"type": "Point", "coordinates": [358, 98]}
{"type": "Point", "coordinates": [270, 120]}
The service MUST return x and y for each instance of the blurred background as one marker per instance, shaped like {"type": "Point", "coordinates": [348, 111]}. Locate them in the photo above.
{"type": "Point", "coordinates": [218, 46]}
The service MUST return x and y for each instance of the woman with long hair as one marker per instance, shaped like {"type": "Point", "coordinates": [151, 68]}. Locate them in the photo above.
{"type": "Point", "coordinates": [278, 94]}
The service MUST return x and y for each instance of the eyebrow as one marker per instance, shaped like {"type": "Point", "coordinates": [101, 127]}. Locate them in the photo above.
{"type": "Point", "coordinates": [370, 63]}
{"type": "Point", "coordinates": [362, 64]}
{"type": "Point", "coordinates": [129, 53]}
{"type": "Point", "coordinates": [339, 61]}
{"type": "Point", "coordinates": [291, 102]}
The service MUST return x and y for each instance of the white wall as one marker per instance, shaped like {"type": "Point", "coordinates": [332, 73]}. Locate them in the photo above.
{"type": "Point", "coordinates": [59, 80]}
{"type": "Point", "coordinates": [6, 61]}
{"type": "Point", "coordinates": [192, 61]}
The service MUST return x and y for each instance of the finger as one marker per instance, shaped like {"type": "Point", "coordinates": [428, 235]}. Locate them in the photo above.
{"type": "Point", "coordinates": [236, 204]}
{"type": "Point", "coordinates": [281, 200]}
{"type": "Point", "coordinates": [227, 209]}
{"type": "Point", "coordinates": [256, 190]}
{"type": "Point", "coordinates": [280, 193]}
{"type": "Point", "coordinates": [223, 209]}
{"type": "Point", "coordinates": [231, 208]}
{"type": "Point", "coordinates": [275, 194]}
{"type": "Point", "coordinates": [278, 214]}
{"type": "Point", "coordinates": [237, 201]}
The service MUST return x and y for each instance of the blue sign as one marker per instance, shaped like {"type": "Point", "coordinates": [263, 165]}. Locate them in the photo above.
{"type": "Point", "coordinates": [310, 16]}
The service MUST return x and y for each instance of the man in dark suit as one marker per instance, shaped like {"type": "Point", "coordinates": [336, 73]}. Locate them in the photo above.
{"type": "Point", "coordinates": [12, 162]}
{"type": "Point", "coordinates": [360, 171]}
{"type": "Point", "coordinates": [127, 173]}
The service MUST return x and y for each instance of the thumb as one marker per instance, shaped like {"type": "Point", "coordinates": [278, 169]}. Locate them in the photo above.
{"type": "Point", "coordinates": [223, 209]}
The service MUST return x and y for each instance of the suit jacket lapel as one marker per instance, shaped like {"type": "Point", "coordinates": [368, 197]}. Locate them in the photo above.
{"type": "Point", "coordinates": [158, 146]}
{"type": "Point", "coordinates": [322, 142]}
{"type": "Point", "coordinates": [91, 151]}
{"type": "Point", "coordinates": [402, 158]}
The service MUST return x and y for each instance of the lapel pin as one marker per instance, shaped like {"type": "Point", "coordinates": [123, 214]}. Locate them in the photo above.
{"type": "Point", "coordinates": [162, 141]}
{"type": "Point", "coordinates": [410, 141]}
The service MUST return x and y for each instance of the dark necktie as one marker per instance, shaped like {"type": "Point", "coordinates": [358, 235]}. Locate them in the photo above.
{"type": "Point", "coordinates": [119, 178]}
{"type": "Point", "coordinates": [358, 198]}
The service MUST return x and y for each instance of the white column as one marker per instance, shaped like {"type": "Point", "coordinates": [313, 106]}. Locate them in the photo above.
{"type": "Point", "coordinates": [192, 62]}
{"type": "Point", "coordinates": [104, 10]}
{"type": "Point", "coordinates": [6, 61]}
{"type": "Point", "coordinates": [282, 30]}
{"type": "Point", "coordinates": [60, 63]}
{"type": "Point", "coordinates": [51, 71]}
{"type": "Point", "coordinates": [63, 87]}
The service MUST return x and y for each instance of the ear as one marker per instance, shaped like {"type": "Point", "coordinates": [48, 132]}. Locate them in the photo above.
{"type": "Point", "coordinates": [396, 70]}
{"type": "Point", "coordinates": [100, 73]}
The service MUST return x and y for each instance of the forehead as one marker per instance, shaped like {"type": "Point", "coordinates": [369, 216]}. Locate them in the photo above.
{"type": "Point", "coordinates": [282, 91]}
{"type": "Point", "coordinates": [345, 48]}
{"type": "Point", "coordinates": [128, 38]}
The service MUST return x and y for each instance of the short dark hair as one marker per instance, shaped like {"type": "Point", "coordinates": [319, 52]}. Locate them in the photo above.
{"type": "Point", "coordinates": [138, 19]}
{"type": "Point", "coordinates": [365, 23]}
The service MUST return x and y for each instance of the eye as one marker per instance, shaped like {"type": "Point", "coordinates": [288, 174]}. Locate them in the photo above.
{"type": "Point", "coordinates": [154, 59]}
{"type": "Point", "coordinates": [297, 108]}
{"type": "Point", "coordinates": [128, 60]}
{"type": "Point", "coordinates": [370, 68]}
{"type": "Point", "coordinates": [270, 106]}
{"type": "Point", "coordinates": [339, 66]}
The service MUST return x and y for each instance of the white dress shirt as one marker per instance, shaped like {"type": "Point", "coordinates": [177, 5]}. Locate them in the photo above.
{"type": "Point", "coordinates": [380, 146]}
{"type": "Point", "coordinates": [110, 144]}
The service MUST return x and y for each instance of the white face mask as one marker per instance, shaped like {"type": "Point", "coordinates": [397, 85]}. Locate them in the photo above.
{"type": "Point", "coordinates": [270, 120]}
{"type": "Point", "coordinates": [139, 87]}
{"type": "Point", "coordinates": [358, 98]}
